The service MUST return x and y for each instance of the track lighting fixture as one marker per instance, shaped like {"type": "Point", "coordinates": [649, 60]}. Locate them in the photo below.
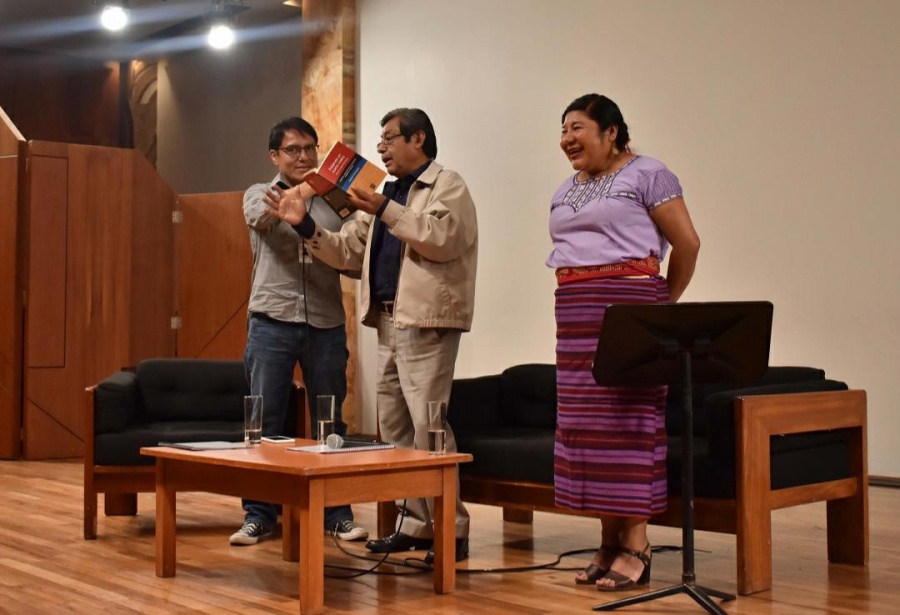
{"type": "Point", "coordinates": [114, 15]}
{"type": "Point", "coordinates": [224, 18]}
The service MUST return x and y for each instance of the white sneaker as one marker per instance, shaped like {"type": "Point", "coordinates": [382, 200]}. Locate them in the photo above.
{"type": "Point", "coordinates": [348, 530]}
{"type": "Point", "coordinates": [250, 534]}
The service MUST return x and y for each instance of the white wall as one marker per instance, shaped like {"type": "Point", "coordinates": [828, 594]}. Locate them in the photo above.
{"type": "Point", "coordinates": [215, 109]}
{"type": "Point", "coordinates": [780, 118]}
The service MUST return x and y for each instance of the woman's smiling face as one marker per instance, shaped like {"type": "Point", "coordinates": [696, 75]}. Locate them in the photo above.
{"type": "Point", "coordinates": [585, 144]}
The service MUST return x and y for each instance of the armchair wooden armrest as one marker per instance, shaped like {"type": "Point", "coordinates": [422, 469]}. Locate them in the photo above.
{"type": "Point", "coordinates": [757, 419]}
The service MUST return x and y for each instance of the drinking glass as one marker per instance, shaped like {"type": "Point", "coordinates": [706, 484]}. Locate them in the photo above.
{"type": "Point", "coordinates": [253, 414]}
{"type": "Point", "coordinates": [324, 417]}
{"type": "Point", "coordinates": [437, 427]}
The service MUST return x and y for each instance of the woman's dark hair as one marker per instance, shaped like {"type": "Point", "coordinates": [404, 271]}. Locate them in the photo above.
{"type": "Point", "coordinates": [603, 111]}
{"type": "Point", "coordinates": [411, 122]}
{"type": "Point", "coordinates": [276, 135]}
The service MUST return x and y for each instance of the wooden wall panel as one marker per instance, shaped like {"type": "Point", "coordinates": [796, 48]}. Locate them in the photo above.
{"type": "Point", "coordinates": [46, 322]}
{"type": "Point", "coordinates": [152, 278]}
{"type": "Point", "coordinates": [119, 285]}
{"type": "Point", "coordinates": [10, 291]}
{"type": "Point", "coordinates": [97, 296]}
{"type": "Point", "coordinates": [213, 265]}
{"type": "Point", "coordinates": [100, 257]}
{"type": "Point", "coordinates": [10, 312]}
{"type": "Point", "coordinates": [10, 137]}
{"type": "Point", "coordinates": [230, 340]}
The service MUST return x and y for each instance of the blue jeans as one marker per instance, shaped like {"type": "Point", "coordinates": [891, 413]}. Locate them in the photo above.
{"type": "Point", "coordinates": [273, 349]}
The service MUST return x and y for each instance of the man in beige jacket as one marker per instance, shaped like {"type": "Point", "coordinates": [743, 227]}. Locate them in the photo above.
{"type": "Point", "coordinates": [417, 247]}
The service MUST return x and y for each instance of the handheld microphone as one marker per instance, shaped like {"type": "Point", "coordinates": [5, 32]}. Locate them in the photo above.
{"type": "Point", "coordinates": [334, 441]}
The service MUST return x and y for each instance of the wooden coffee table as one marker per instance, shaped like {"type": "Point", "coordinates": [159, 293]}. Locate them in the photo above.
{"type": "Point", "coordinates": [305, 483]}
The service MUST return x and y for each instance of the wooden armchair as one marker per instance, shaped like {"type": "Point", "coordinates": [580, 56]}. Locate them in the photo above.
{"type": "Point", "coordinates": [162, 400]}
{"type": "Point", "coordinates": [758, 420]}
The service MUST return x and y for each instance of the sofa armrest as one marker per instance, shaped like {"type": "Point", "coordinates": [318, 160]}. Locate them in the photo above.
{"type": "Point", "coordinates": [115, 402]}
{"type": "Point", "coordinates": [720, 411]}
{"type": "Point", "coordinates": [763, 416]}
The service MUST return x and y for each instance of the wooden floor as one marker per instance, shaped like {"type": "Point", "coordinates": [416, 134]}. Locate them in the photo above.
{"type": "Point", "coordinates": [47, 568]}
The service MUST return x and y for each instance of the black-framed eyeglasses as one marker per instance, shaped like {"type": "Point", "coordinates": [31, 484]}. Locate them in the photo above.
{"type": "Point", "coordinates": [387, 140]}
{"type": "Point", "coordinates": [294, 151]}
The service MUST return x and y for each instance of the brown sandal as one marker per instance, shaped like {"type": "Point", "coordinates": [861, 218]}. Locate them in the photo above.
{"type": "Point", "coordinates": [593, 571]}
{"type": "Point", "coordinates": [620, 581]}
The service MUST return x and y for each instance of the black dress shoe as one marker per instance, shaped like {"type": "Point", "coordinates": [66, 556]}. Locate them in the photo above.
{"type": "Point", "coordinates": [398, 541]}
{"type": "Point", "coordinates": [462, 551]}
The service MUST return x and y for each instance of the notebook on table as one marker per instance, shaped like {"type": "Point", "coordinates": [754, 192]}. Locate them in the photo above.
{"type": "Point", "coordinates": [347, 446]}
{"type": "Point", "coordinates": [215, 445]}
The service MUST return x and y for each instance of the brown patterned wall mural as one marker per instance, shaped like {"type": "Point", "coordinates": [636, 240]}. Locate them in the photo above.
{"type": "Point", "coordinates": [142, 101]}
{"type": "Point", "coordinates": [329, 102]}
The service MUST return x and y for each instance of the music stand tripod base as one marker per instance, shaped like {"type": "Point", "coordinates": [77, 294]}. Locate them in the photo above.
{"type": "Point", "coordinates": [701, 595]}
{"type": "Point", "coordinates": [666, 344]}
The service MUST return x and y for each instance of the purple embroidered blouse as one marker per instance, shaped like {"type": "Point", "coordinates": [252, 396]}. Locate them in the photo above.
{"type": "Point", "coordinates": [606, 220]}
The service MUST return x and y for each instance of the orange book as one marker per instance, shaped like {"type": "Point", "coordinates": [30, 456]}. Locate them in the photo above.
{"type": "Point", "coordinates": [341, 170]}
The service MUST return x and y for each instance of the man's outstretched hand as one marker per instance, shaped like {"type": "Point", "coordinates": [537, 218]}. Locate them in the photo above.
{"type": "Point", "coordinates": [290, 204]}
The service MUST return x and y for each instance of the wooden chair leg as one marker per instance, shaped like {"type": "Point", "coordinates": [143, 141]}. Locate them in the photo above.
{"type": "Point", "coordinates": [754, 550]}
{"type": "Point", "coordinates": [848, 518]}
{"type": "Point", "coordinates": [90, 514]}
{"type": "Point", "coordinates": [115, 504]}
{"type": "Point", "coordinates": [848, 532]}
{"type": "Point", "coordinates": [518, 515]}
{"type": "Point", "coordinates": [754, 504]}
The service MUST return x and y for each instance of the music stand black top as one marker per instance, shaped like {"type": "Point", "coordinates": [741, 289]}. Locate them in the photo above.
{"type": "Point", "coordinates": [640, 344]}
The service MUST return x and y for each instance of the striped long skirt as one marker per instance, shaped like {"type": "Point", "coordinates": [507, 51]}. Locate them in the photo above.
{"type": "Point", "coordinates": [610, 453]}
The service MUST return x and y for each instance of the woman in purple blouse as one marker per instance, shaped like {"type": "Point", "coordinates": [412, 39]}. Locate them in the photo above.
{"type": "Point", "coordinates": [612, 222]}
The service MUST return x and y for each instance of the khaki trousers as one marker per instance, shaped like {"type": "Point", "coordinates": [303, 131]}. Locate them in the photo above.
{"type": "Point", "coordinates": [416, 366]}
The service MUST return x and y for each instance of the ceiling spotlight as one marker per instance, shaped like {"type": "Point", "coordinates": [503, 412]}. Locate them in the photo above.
{"type": "Point", "coordinates": [224, 16]}
{"type": "Point", "coordinates": [114, 16]}
{"type": "Point", "coordinates": [221, 36]}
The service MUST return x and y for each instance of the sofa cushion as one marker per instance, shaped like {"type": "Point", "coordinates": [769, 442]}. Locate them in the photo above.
{"type": "Point", "coordinates": [528, 396]}
{"type": "Point", "coordinates": [192, 390]}
{"type": "Point", "coordinates": [796, 459]}
{"type": "Point", "coordinates": [123, 448]}
{"type": "Point", "coordinates": [513, 454]}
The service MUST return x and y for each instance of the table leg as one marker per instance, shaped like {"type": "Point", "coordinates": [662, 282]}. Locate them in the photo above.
{"type": "Point", "coordinates": [311, 516]}
{"type": "Point", "coordinates": [290, 540]}
{"type": "Point", "coordinates": [165, 522]}
{"type": "Point", "coordinates": [445, 534]}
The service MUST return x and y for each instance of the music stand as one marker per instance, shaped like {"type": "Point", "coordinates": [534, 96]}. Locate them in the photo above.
{"type": "Point", "coordinates": [667, 344]}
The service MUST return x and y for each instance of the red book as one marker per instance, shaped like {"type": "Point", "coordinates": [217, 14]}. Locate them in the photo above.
{"type": "Point", "coordinates": [341, 170]}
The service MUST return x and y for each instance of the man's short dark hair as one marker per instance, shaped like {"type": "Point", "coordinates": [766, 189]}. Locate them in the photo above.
{"type": "Point", "coordinates": [411, 122]}
{"type": "Point", "coordinates": [276, 135]}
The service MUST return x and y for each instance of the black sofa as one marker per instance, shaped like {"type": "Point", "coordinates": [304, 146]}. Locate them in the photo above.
{"type": "Point", "coordinates": [161, 400]}
{"type": "Point", "coordinates": [791, 438]}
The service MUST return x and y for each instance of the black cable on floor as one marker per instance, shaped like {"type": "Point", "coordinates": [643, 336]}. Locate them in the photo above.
{"type": "Point", "coordinates": [420, 566]}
